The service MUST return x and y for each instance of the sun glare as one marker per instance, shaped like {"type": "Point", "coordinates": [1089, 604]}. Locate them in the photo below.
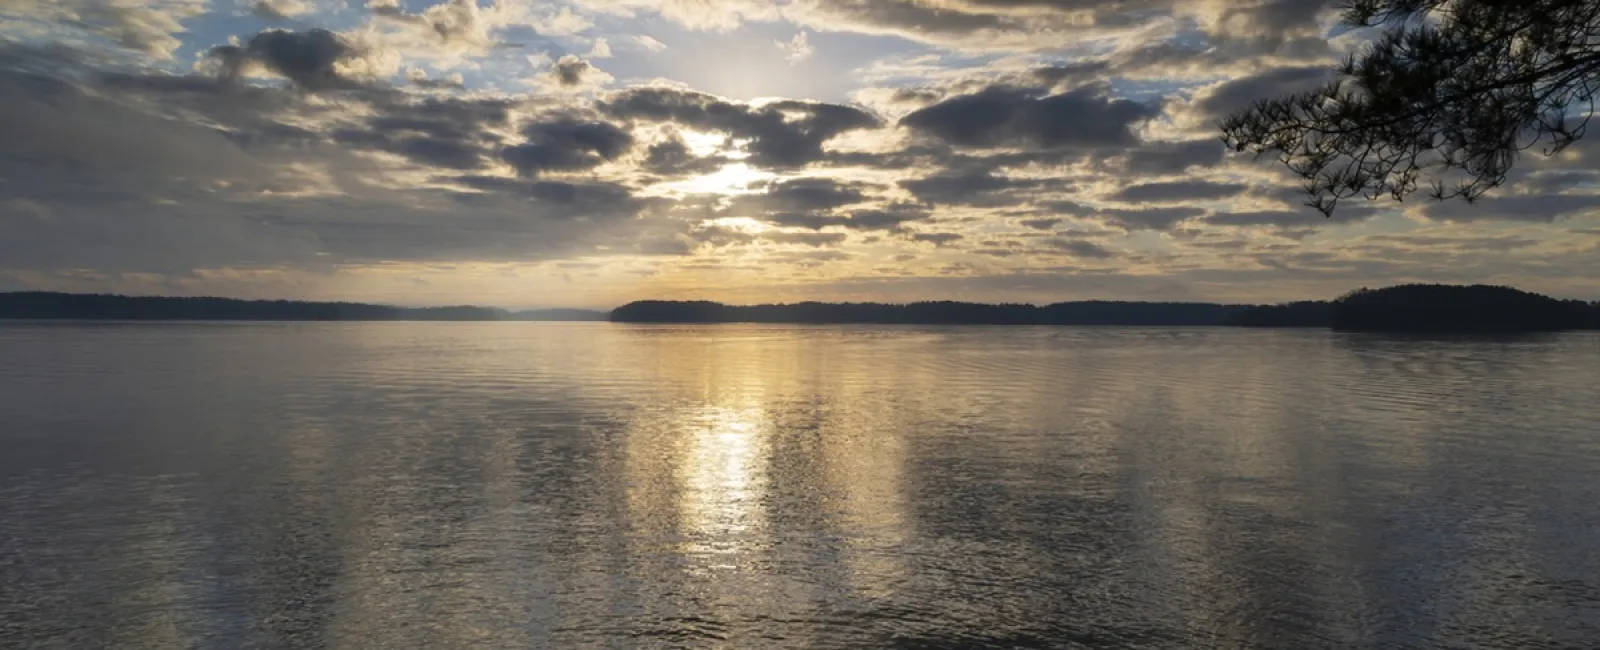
{"type": "Point", "coordinates": [703, 144]}
{"type": "Point", "coordinates": [732, 179]}
{"type": "Point", "coordinates": [742, 224]}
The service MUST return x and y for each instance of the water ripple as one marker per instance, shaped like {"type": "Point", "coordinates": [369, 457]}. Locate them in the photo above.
{"type": "Point", "coordinates": [592, 485]}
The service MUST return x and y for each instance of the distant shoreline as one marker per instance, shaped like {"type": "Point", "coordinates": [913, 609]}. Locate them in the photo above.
{"type": "Point", "coordinates": [42, 306]}
{"type": "Point", "coordinates": [1405, 308]}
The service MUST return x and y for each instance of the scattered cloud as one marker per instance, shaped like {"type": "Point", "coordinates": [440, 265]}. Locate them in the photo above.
{"type": "Point", "coordinates": [281, 9]}
{"type": "Point", "coordinates": [797, 49]}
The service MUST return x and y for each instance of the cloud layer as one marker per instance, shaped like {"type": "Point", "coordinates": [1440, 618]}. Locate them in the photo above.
{"type": "Point", "coordinates": [522, 153]}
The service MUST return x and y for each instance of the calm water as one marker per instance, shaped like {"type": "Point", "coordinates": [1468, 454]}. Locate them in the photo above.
{"type": "Point", "coordinates": [606, 486]}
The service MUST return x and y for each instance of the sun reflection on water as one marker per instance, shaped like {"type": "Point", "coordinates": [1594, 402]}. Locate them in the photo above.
{"type": "Point", "coordinates": [723, 479]}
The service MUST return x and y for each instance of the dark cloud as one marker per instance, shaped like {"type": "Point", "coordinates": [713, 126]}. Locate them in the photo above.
{"type": "Point", "coordinates": [1151, 219]}
{"type": "Point", "coordinates": [1237, 94]}
{"type": "Point", "coordinates": [1280, 218]}
{"type": "Point", "coordinates": [1010, 117]}
{"type": "Point", "coordinates": [1499, 244]}
{"type": "Point", "coordinates": [576, 200]}
{"type": "Point", "coordinates": [1002, 24]}
{"type": "Point", "coordinates": [805, 195]}
{"type": "Point", "coordinates": [442, 132]}
{"type": "Point", "coordinates": [976, 186]}
{"type": "Point", "coordinates": [1553, 181]}
{"type": "Point", "coordinates": [1040, 224]}
{"type": "Point", "coordinates": [1080, 248]}
{"type": "Point", "coordinates": [1154, 158]}
{"type": "Point", "coordinates": [1178, 191]}
{"type": "Point", "coordinates": [566, 143]}
{"type": "Point", "coordinates": [940, 239]}
{"type": "Point", "coordinates": [437, 84]}
{"type": "Point", "coordinates": [812, 239]}
{"type": "Point", "coordinates": [783, 134]}
{"type": "Point", "coordinates": [891, 217]}
{"type": "Point", "coordinates": [573, 71]}
{"type": "Point", "coordinates": [1547, 208]}
{"type": "Point", "coordinates": [808, 220]}
{"type": "Point", "coordinates": [309, 59]}
{"type": "Point", "coordinates": [721, 236]}
{"type": "Point", "coordinates": [815, 204]}
{"type": "Point", "coordinates": [1072, 75]}
{"type": "Point", "coordinates": [673, 158]}
{"type": "Point", "coordinates": [453, 21]}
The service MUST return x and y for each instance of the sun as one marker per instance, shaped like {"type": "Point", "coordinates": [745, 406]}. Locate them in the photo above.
{"type": "Point", "coordinates": [732, 179]}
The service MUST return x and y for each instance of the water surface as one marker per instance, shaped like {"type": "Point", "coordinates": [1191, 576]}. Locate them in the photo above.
{"type": "Point", "coordinates": [453, 485]}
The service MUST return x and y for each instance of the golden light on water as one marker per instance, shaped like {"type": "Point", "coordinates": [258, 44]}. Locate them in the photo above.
{"type": "Point", "coordinates": [724, 479]}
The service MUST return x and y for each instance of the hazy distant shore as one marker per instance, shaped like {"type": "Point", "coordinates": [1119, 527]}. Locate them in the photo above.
{"type": "Point", "coordinates": [72, 306]}
{"type": "Point", "coordinates": [1406, 308]}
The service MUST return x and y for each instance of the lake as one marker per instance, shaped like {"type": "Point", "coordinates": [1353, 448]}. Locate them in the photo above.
{"type": "Point", "coordinates": [460, 485]}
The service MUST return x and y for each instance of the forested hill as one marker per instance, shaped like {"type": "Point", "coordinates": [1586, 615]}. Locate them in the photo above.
{"type": "Point", "coordinates": [932, 313]}
{"type": "Point", "coordinates": [1433, 308]}
{"type": "Point", "coordinates": [72, 306]}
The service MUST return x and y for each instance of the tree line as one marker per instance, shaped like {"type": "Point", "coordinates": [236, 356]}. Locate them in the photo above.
{"type": "Point", "coordinates": [1405, 308]}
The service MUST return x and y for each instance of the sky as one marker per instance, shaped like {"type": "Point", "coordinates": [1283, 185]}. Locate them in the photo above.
{"type": "Point", "coordinates": [586, 153]}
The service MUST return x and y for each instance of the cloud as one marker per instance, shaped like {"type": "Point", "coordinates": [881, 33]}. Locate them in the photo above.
{"type": "Point", "coordinates": [452, 21]}
{"type": "Point", "coordinates": [1019, 118]}
{"type": "Point", "coordinates": [939, 239]}
{"type": "Point", "coordinates": [441, 132]}
{"type": "Point", "coordinates": [601, 49]}
{"type": "Point", "coordinates": [281, 9]}
{"type": "Point", "coordinates": [710, 15]}
{"type": "Point", "coordinates": [1178, 191]}
{"type": "Point", "coordinates": [420, 79]}
{"type": "Point", "coordinates": [571, 71]}
{"type": "Point", "coordinates": [812, 239]}
{"type": "Point", "coordinates": [797, 49]}
{"type": "Point", "coordinates": [649, 44]}
{"type": "Point", "coordinates": [1150, 219]}
{"type": "Point", "coordinates": [1282, 218]}
{"type": "Point", "coordinates": [566, 143]}
{"type": "Point", "coordinates": [1227, 97]}
{"type": "Point", "coordinates": [1080, 248]}
{"type": "Point", "coordinates": [167, 173]}
{"type": "Point", "coordinates": [783, 134]}
{"type": "Point", "coordinates": [977, 24]}
{"type": "Point", "coordinates": [804, 195]}
{"type": "Point", "coordinates": [151, 27]}
{"type": "Point", "coordinates": [973, 186]}
{"type": "Point", "coordinates": [672, 157]}
{"type": "Point", "coordinates": [316, 59]}
{"type": "Point", "coordinates": [1546, 208]}
{"type": "Point", "coordinates": [1173, 157]}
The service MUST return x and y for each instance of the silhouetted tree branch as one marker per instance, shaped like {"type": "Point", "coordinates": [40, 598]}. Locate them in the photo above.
{"type": "Point", "coordinates": [1453, 89]}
